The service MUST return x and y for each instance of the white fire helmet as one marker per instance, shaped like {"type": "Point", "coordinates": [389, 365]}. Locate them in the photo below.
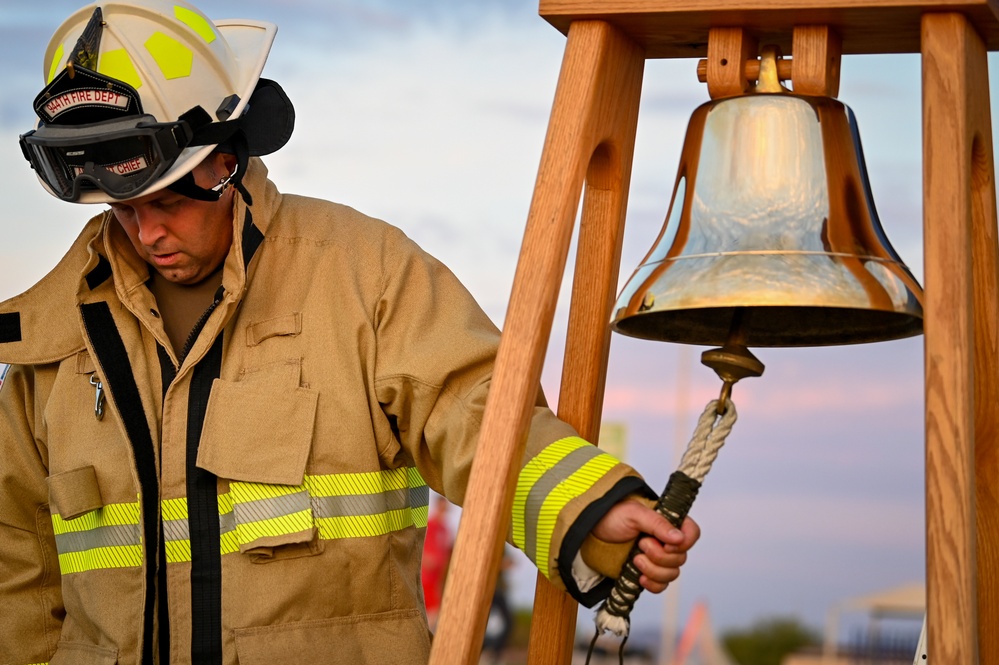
{"type": "Point", "coordinates": [139, 92]}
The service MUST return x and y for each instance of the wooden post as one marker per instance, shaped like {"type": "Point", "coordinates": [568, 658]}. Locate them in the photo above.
{"type": "Point", "coordinates": [591, 137]}
{"type": "Point", "coordinates": [598, 262]}
{"type": "Point", "coordinates": [960, 327]}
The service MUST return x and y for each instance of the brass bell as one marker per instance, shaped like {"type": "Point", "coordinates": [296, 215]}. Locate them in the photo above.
{"type": "Point", "coordinates": [772, 225]}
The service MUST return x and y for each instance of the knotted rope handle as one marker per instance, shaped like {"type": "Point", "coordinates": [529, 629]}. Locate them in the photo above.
{"type": "Point", "coordinates": [676, 500]}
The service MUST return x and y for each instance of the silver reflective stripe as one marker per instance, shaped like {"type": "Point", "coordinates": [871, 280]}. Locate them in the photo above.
{"type": "Point", "coordinates": [551, 478]}
{"type": "Point", "coordinates": [271, 507]}
{"type": "Point", "coordinates": [176, 530]}
{"type": "Point", "coordinates": [368, 504]}
{"type": "Point", "coordinates": [227, 523]}
{"type": "Point", "coordinates": [102, 536]}
{"type": "Point", "coordinates": [419, 497]}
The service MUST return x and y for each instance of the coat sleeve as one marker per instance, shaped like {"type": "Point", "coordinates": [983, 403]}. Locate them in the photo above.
{"type": "Point", "coordinates": [30, 595]}
{"type": "Point", "coordinates": [436, 350]}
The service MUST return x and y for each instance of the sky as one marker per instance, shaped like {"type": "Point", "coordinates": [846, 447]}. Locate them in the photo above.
{"type": "Point", "coordinates": [432, 116]}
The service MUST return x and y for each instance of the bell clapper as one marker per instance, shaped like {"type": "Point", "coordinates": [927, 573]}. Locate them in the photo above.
{"type": "Point", "coordinates": [732, 361]}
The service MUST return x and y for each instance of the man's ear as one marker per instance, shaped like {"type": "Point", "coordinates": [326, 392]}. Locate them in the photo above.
{"type": "Point", "coordinates": [228, 162]}
{"type": "Point", "coordinates": [223, 164]}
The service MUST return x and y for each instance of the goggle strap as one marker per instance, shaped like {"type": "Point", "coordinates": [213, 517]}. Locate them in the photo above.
{"type": "Point", "coordinates": [206, 132]}
{"type": "Point", "coordinates": [186, 186]}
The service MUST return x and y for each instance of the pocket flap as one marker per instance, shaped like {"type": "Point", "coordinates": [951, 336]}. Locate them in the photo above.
{"type": "Point", "coordinates": [68, 653]}
{"type": "Point", "coordinates": [259, 429]}
{"type": "Point", "coordinates": [289, 324]}
{"type": "Point", "coordinates": [74, 493]}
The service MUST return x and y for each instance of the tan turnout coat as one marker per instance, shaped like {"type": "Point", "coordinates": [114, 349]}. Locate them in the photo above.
{"type": "Point", "coordinates": [275, 481]}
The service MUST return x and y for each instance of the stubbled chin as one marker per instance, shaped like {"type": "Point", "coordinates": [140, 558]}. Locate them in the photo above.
{"type": "Point", "coordinates": [184, 277]}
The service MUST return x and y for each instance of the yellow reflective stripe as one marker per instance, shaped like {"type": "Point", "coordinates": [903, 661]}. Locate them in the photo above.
{"type": "Point", "coordinates": [378, 485]}
{"type": "Point", "coordinates": [125, 556]}
{"type": "Point", "coordinates": [414, 479]}
{"type": "Point", "coordinates": [374, 482]}
{"type": "Point", "coordinates": [107, 537]}
{"type": "Point", "coordinates": [573, 486]}
{"type": "Point", "coordinates": [178, 550]}
{"type": "Point", "coordinates": [115, 514]}
{"type": "Point", "coordinates": [225, 503]}
{"type": "Point", "coordinates": [174, 509]}
{"type": "Point", "coordinates": [229, 543]}
{"type": "Point", "coordinates": [561, 472]}
{"type": "Point", "coordinates": [531, 473]}
{"type": "Point", "coordinates": [421, 514]}
{"type": "Point", "coordinates": [249, 511]}
{"type": "Point", "coordinates": [360, 526]}
{"type": "Point", "coordinates": [275, 526]}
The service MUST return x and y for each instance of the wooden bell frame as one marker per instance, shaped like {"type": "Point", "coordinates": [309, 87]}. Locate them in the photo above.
{"type": "Point", "coordinates": [589, 150]}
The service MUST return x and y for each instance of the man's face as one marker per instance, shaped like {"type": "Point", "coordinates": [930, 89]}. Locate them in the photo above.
{"type": "Point", "coordinates": [183, 239]}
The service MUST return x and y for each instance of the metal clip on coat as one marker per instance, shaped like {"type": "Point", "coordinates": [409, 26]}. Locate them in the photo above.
{"type": "Point", "coordinates": [98, 398]}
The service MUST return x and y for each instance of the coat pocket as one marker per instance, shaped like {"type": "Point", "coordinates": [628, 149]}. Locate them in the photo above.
{"type": "Point", "coordinates": [74, 493]}
{"type": "Point", "coordinates": [273, 522]}
{"type": "Point", "coordinates": [259, 429]}
{"type": "Point", "coordinates": [70, 653]}
{"type": "Point", "coordinates": [390, 638]}
{"type": "Point", "coordinates": [257, 435]}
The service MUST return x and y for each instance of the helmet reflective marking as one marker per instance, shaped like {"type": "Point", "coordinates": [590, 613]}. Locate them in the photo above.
{"type": "Point", "coordinates": [195, 22]}
{"type": "Point", "coordinates": [56, 64]}
{"type": "Point", "coordinates": [118, 65]}
{"type": "Point", "coordinates": [174, 59]}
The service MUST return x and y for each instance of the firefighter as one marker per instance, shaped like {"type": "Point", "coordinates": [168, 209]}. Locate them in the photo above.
{"type": "Point", "coordinates": [226, 406]}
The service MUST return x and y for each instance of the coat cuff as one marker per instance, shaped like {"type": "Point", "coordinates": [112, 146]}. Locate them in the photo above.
{"type": "Point", "coordinates": [577, 534]}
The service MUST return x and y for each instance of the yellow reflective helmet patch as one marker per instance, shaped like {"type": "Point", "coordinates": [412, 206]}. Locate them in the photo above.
{"type": "Point", "coordinates": [118, 65]}
{"type": "Point", "coordinates": [56, 63]}
{"type": "Point", "coordinates": [195, 22]}
{"type": "Point", "coordinates": [173, 58]}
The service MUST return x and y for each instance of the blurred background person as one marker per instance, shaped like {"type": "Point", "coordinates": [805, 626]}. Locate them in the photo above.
{"type": "Point", "coordinates": [436, 557]}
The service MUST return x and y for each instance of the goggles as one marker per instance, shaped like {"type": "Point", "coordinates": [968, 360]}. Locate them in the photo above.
{"type": "Point", "coordinates": [121, 157]}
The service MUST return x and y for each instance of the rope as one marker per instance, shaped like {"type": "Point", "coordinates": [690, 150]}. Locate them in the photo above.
{"type": "Point", "coordinates": [709, 436]}
{"type": "Point", "coordinates": [681, 490]}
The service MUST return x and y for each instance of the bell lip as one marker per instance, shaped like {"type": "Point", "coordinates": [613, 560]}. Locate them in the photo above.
{"type": "Point", "coordinates": [770, 326]}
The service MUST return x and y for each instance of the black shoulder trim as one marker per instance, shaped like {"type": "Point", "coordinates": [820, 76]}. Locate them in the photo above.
{"type": "Point", "coordinates": [124, 393]}
{"type": "Point", "coordinates": [581, 528]}
{"type": "Point", "coordinates": [203, 520]}
{"type": "Point", "coordinates": [100, 273]}
{"type": "Point", "coordinates": [10, 327]}
{"type": "Point", "coordinates": [252, 237]}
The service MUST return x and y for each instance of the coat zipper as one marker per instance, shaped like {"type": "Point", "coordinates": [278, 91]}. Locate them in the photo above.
{"type": "Point", "coordinates": [192, 337]}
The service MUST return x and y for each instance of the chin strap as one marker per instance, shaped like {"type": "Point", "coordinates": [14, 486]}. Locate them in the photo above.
{"type": "Point", "coordinates": [230, 133]}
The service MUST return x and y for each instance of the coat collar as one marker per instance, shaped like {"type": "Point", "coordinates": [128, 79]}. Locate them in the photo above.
{"type": "Point", "coordinates": [42, 325]}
